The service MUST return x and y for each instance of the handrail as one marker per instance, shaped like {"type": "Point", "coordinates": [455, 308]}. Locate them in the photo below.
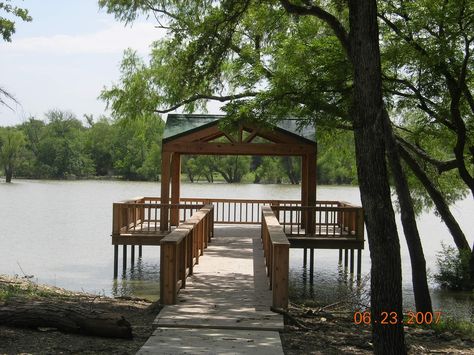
{"type": "Point", "coordinates": [276, 249]}
{"type": "Point", "coordinates": [346, 220]}
{"type": "Point", "coordinates": [181, 249]}
{"type": "Point", "coordinates": [141, 217]}
{"type": "Point", "coordinates": [327, 219]}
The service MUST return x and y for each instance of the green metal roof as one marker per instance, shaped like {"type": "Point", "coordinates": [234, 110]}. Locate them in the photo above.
{"type": "Point", "coordinates": [178, 125]}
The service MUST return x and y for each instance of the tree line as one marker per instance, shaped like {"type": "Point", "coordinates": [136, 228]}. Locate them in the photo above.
{"type": "Point", "coordinates": [63, 147]}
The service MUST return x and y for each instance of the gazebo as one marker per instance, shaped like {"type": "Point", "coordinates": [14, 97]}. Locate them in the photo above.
{"type": "Point", "coordinates": [201, 134]}
{"type": "Point", "coordinates": [183, 226]}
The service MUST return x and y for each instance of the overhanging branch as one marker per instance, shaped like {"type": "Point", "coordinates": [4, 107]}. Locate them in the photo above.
{"type": "Point", "coordinates": [208, 97]}
{"type": "Point", "coordinates": [328, 18]}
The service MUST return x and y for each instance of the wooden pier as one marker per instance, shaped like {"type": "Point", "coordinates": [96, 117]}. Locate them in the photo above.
{"type": "Point", "coordinates": [136, 222]}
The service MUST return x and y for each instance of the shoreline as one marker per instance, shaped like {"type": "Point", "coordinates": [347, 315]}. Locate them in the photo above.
{"type": "Point", "coordinates": [308, 329]}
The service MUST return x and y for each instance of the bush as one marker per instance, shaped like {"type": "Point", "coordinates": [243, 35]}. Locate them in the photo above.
{"type": "Point", "coordinates": [453, 268]}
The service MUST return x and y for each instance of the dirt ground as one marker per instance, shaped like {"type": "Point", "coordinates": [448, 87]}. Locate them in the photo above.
{"type": "Point", "coordinates": [307, 330]}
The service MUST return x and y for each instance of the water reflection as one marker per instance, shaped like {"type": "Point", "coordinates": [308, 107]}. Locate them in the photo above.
{"type": "Point", "coordinates": [140, 280]}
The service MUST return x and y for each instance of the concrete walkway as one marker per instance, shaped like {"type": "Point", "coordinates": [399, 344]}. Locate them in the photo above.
{"type": "Point", "coordinates": [225, 308]}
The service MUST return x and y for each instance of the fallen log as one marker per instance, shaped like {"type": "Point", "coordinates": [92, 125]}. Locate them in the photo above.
{"type": "Point", "coordinates": [65, 317]}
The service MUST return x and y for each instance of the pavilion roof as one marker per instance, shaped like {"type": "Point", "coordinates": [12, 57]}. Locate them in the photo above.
{"type": "Point", "coordinates": [179, 125]}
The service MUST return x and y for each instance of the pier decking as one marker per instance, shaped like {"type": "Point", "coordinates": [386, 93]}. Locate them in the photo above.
{"type": "Point", "coordinates": [225, 307]}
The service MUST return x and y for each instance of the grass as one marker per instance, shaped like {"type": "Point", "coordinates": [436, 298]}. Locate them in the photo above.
{"type": "Point", "coordinates": [462, 328]}
{"type": "Point", "coordinates": [24, 289]}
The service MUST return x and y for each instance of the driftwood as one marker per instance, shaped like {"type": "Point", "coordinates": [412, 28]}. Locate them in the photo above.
{"type": "Point", "coordinates": [65, 317]}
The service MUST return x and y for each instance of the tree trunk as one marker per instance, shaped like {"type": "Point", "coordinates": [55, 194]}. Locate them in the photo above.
{"type": "Point", "coordinates": [66, 318]}
{"type": "Point", "coordinates": [367, 112]}
{"type": "Point", "coordinates": [8, 174]}
{"type": "Point", "coordinates": [438, 199]}
{"type": "Point", "coordinates": [442, 208]}
{"type": "Point", "coordinates": [415, 248]}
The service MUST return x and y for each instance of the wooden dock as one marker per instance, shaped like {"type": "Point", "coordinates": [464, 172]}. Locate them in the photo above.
{"type": "Point", "coordinates": [225, 306]}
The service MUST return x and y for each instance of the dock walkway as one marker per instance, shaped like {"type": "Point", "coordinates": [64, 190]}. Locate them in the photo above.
{"type": "Point", "coordinates": [225, 307]}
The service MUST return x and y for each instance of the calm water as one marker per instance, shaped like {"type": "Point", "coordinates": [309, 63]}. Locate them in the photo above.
{"type": "Point", "coordinates": [59, 231]}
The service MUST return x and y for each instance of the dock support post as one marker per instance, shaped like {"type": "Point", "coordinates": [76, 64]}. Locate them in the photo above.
{"type": "Point", "coordinates": [352, 262]}
{"type": "Point", "coordinates": [140, 251]}
{"type": "Point", "coordinates": [116, 251]}
{"type": "Point", "coordinates": [305, 256]}
{"type": "Point", "coordinates": [132, 255]}
{"type": "Point", "coordinates": [311, 262]}
{"type": "Point", "coordinates": [346, 256]}
{"type": "Point", "coordinates": [340, 256]}
{"type": "Point", "coordinates": [359, 264]}
{"type": "Point", "coordinates": [124, 259]}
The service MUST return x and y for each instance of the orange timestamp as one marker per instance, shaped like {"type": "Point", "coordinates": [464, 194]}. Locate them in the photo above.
{"type": "Point", "coordinates": [392, 318]}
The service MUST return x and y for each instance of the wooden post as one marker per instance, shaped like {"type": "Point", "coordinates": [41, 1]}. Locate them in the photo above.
{"type": "Point", "coordinates": [175, 187]}
{"type": "Point", "coordinates": [116, 251]}
{"type": "Point", "coordinates": [346, 256]}
{"type": "Point", "coordinates": [311, 262]}
{"type": "Point", "coordinates": [165, 189]}
{"type": "Point", "coordinates": [359, 263]}
{"type": "Point", "coordinates": [124, 259]}
{"type": "Point", "coordinates": [305, 256]}
{"type": "Point", "coordinates": [132, 255]}
{"type": "Point", "coordinates": [352, 261]}
{"type": "Point", "coordinates": [168, 273]}
{"type": "Point", "coordinates": [280, 275]}
{"type": "Point", "coordinates": [311, 191]}
{"type": "Point", "coordinates": [304, 189]}
{"type": "Point", "coordinates": [140, 251]}
{"type": "Point", "coordinates": [340, 256]}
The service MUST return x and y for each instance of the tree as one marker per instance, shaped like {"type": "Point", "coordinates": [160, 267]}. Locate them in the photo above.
{"type": "Point", "coordinates": [253, 54]}
{"type": "Point", "coordinates": [428, 73]}
{"type": "Point", "coordinates": [232, 168]}
{"type": "Point", "coordinates": [7, 29]}
{"type": "Point", "coordinates": [12, 142]}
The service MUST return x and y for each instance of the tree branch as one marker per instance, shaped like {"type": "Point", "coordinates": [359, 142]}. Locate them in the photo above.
{"type": "Point", "coordinates": [328, 18]}
{"type": "Point", "coordinates": [441, 166]}
{"type": "Point", "coordinates": [208, 97]}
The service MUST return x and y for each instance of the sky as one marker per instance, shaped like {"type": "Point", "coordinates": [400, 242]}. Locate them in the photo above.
{"type": "Point", "coordinates": [65, 57]}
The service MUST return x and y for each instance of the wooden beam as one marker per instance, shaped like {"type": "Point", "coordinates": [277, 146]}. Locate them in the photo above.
{"type": "Point", "coordinates": [283, 149]}
{"type": "Point", "coordinates": [165, 189]}
{"type": "Point", "coordinates": [202, 134]}
{"type": "Point", "coordinates": [311, 188]}
{"type": "Point", "coordinates": [304, 189]}
{"type": "Point", "coordinates": [175, 187]}
{"type": "Point", "coordinates": [252, 135]}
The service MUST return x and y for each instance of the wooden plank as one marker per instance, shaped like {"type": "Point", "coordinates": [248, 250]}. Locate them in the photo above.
{"type": "Point", "coordinates": [168, 274]}
{"type": "Point", "coordinates": [326, 243]}
{"type": "Point", "coordinates": [238, 148]}
{"type": "Point", "coordinates": [280, 275]}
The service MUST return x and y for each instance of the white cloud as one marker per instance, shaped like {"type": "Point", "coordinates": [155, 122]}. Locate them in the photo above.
{"type": "Point", "coordinates": [113, 39]}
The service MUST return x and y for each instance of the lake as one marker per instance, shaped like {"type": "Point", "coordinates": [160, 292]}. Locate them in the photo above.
{"type": "Point", "coordinates": [59, 232]}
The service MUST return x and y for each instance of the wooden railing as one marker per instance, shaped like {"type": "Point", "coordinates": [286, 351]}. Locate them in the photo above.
{"type": "Point", "coordinates": [142, 215]}
{"type": "Point", "coordinates": [181, 249]}
{"type": "Point", "coordinates": [276, 249]}
{"type": "Point", "coordinates": [329, 219]}
{"type": "Point", "coordinates": [238, 211]}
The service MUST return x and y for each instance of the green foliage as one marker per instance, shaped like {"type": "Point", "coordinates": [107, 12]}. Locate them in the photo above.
{"type": "Point", "coordinates": [464, 329]}
{"type": "Point", "coordinates": [7, 24]}
{"type": "Point", "coordinates": [232, 168]}
{"type": "Point", "coordinates": [12, 143]}
{"type": "Point", "coordinates": [453, 268]}
{"type": "Point", "coordinates": [336, 160]}
{"type": "Point", "coordinates": [62, 148]}
{"type": "Point", "coordinates": [135, 148]}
